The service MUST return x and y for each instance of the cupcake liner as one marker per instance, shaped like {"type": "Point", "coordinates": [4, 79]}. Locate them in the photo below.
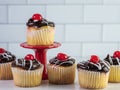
{"type": "Point", "coordinates": [114, 74]}
{"type": "Point", "coordinates": [60, 74]}
{"type": "Point", "coordinates": [27, 78]}
{"type": "Point", "coordinates": [92, 79]}
{"type": "Point", "coordinates": [42, 36]}
{"type": "Point", "coordinates": [5, 71]}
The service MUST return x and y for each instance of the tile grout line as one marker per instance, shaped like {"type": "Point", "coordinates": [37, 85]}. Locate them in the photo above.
{"type": "Point", "coordinates": [7, 11]}
{"type": "Point", "coordinates": [81, 50]}
{"type": "Point", "coordinates": [102, 33]}
{"type": "Point", "coordinates": [118, 45]}
{"type": "Point", "coordinates": [102, 2]}
{"type": "Point", "coordinates": [83, 17]}
{"type": "Point", "coordinates": [64, 2]}
{"type": "Point", "coordinates": [26, 2]}
{"type": "Point", "coordinates": [67, 4]}
{"type": "Point", "coordinates": [64, 27]}
{"type": "Point", "coordinates": [45, 11]}
{"type": "Point", "coordinates": [7, 46]}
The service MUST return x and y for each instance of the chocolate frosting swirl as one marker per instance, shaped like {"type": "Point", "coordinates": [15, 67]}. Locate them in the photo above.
{"type": "Point", "coordinates": [26, 64]}
{"type": "Point", "coordinates": [101, 66]}
{"type": "Point", "coordinates": [69, 62]}
{"type": "Point", "coordinates": [6, 57]}
{"type": "Point", "coordinates": [112, 61]}
{"type": "Point", "coordinates": [39, 23]}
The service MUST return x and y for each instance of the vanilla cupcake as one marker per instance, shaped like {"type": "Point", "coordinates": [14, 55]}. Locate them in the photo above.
{"type": "Point", "coordinates": [40, 31]}
{"type": "Point", "coordinates": [114, 62]}
{"type": "Point", "coordinates": [27, 72]}
{"type": "Point", "coordinates": [93, 73]}
{"type": "Point", "coordinates": [6, 59]}
{"type": "Point", "coordinates": [61, 69]}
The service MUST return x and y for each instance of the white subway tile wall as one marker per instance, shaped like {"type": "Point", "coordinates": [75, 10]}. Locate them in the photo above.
{"type": "Point", "coordinates": [83, 27]}
{"type": "Point", "coordinates": [65, 13]}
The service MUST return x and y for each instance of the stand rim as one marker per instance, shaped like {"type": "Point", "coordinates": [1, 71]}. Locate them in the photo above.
{"type": "Point", "coordinates": [55, 45]}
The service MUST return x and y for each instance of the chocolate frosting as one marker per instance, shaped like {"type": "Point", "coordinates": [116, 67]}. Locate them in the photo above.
{"type": "Point", "coordinates": [101, 66]}
{"type": "Point", "coordinates": [112, 61]}
{"type": "Point", "coordinates": [6, 57]}
{"type": "Point", "coordinates": [39, 23]}
{"type": "Point", "coordinates": [26, 64]}
{"type": "Point", "coordinates": [69, 62]}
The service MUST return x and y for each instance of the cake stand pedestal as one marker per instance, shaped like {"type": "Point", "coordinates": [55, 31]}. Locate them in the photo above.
{"type": "Point", "coordinates": [40, 54]}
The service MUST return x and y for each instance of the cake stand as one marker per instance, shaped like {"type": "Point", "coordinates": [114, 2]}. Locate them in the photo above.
{"type": "Point", "coordinates": [40, 54]}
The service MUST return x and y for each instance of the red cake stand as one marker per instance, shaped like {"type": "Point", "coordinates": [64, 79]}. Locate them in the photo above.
{"type": "Point", "coordinates": [40, 54]}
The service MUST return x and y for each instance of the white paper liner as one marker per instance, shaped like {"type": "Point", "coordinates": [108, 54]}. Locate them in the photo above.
{"type": "Point", "coordinates": [60, 74]}
{"type": "Point", "coordinates": [5, 71]}
{"type": "Point", "coordinates": [92, 79]}
{"type": "Point", "coordinates": [27, 78]}
{"type": "Point", "coordinates": [44, 36]}
{"type": "Point", "coordinates": [114, 74]}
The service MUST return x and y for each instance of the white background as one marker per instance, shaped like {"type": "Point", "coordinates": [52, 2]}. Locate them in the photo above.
{"type": "Point", "coordinates": [84, 27]}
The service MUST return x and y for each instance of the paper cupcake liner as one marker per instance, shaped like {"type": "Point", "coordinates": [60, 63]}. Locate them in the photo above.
{"type": "Point", "coordinates": [114, 74]}
{"type": "Point", "coordinates": [44, 36]}
{"type": "Point", "coordinates": [60, 74]}
{"type": "Point", "coordinates": [27, 78]}
{"type": "Point", "coordinates": [92, 80]}
{"type": "Point", "coordinates": [5, 71]}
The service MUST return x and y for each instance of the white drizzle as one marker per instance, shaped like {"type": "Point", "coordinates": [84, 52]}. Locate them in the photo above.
{"type": "Point", "coordinates": [31, 63]}
{"type": "Point", "coordinates": [66, 62]}
{"type": "Point", "coordinates": [118, 61]}
{"type": "Point", "coordinates": [110, 59]}
{"type": "Point", "coordinates": [24, 62]}
{"type": "Point", "coordinates": [45, 22]}
{"type": "Point", "coordinates": [98, 65]}
{"type": "Point", "coordinates": [106, 64]}
{"type": "Point", "coordinates": [55, 64]}
{"type": "Point", "coordinates": [5, 55]}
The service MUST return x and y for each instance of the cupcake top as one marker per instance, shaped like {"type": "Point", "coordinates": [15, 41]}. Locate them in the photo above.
{"type": "Point", "coordinates": [6, 56]}
{"type": "Point", "coordinates": [94, 64]}
{"type": "Point", "coordinates": [62, 60]}
{"type": "Point", "coordinates": [27, 63]}
{"type": "Point", "coordinates": [113, 60]}
{"type": "Point", "coordinates": [38, 21]}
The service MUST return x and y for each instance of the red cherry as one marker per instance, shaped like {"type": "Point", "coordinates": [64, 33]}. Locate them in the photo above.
{"type": "Point", "coordinates": [62, 56]}
{"type": "Point", "coordinates": [116, 54]}
{"type": "Point", "coordinates": [94, 59]}
{"type": "Point", "coordinates": [2, 50]}
{"type": "Point", "coordinates": [29, 57]}
{"type": "Point", "coordinates": [37, 17]}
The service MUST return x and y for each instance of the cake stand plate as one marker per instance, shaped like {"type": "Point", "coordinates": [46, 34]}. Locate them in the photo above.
{"type": "Point", "coordinates": [40, 54]}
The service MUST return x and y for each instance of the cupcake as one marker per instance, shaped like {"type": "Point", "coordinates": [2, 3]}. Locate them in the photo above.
{"type": "Point", "coordinates": [40, 31]}
{"type": "Point", "coordinates": [6, 59]}
{"type": "Point", "coordinates": [61, 69]}
{"type": "Point", "coordinates": [27, 72]}
{"type": "Point", "coordinates": [93, 73]}
{"type": "Point", "coordinates": [114, 62]}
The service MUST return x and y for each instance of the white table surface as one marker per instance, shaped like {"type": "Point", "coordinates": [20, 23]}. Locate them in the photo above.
{"type": "Point", "coordinates": [9, 85]}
